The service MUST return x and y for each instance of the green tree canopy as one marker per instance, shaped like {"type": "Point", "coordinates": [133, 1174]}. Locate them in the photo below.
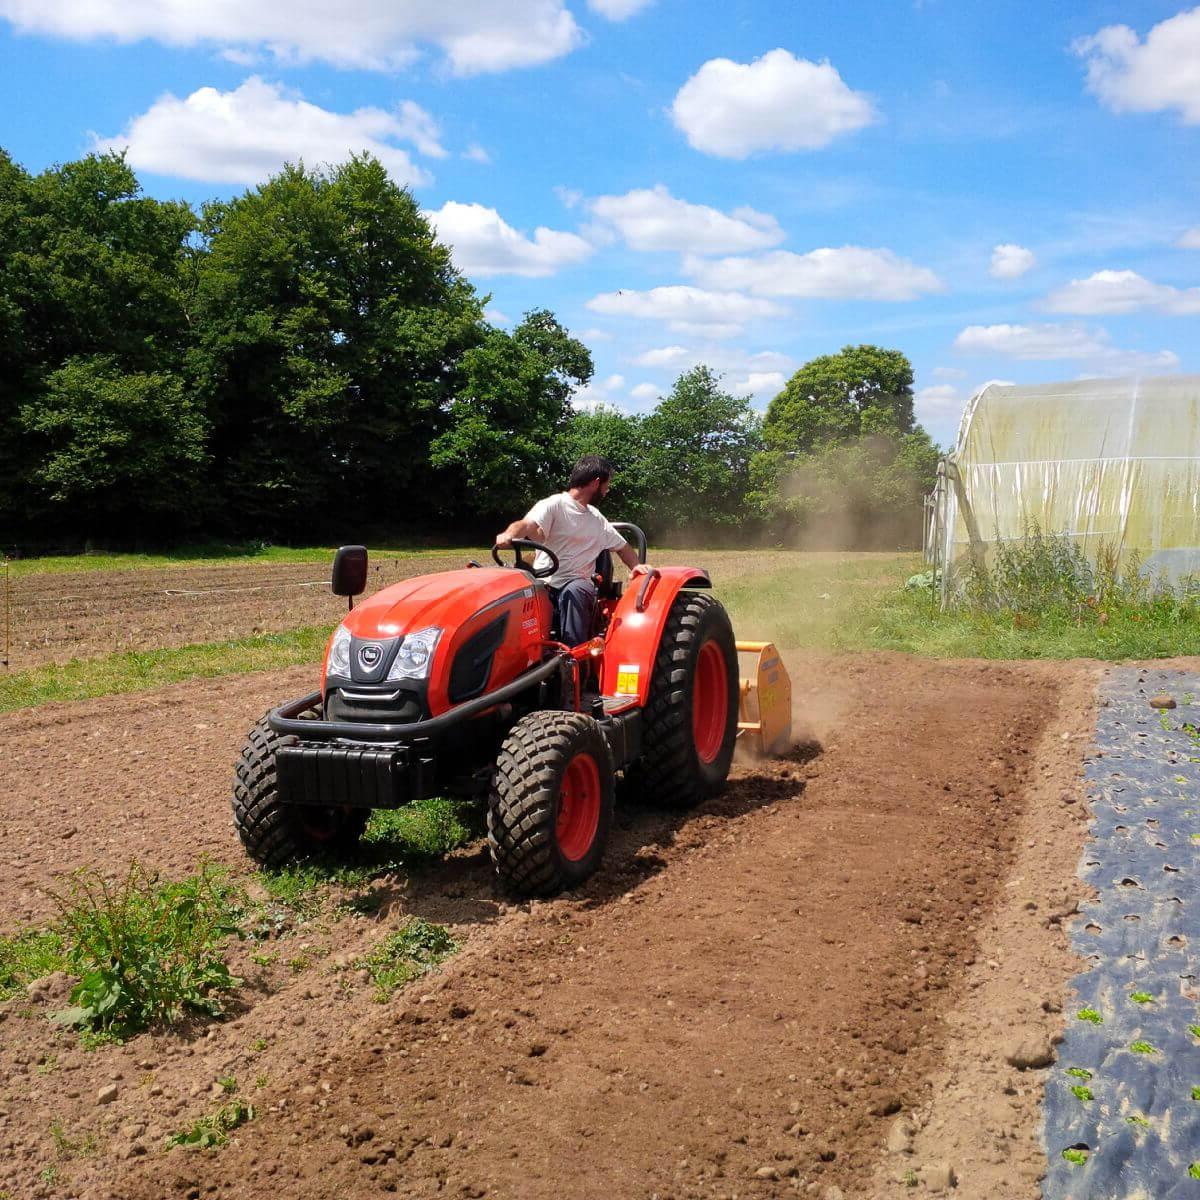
{"type": "Point", "coordinates": [839, 397]}
{"type": "Point", "coordinates": [498, 445]}
{"type": "Point", "coordinates": [332, 326]}
{"type": "Point", "coordinates": [844, 462]}
{"type": "Point", "coordinates": [94, 283]}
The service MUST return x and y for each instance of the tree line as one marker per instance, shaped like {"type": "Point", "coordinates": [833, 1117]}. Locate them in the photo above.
{"type": "Point", "coordinates": [304, 362]}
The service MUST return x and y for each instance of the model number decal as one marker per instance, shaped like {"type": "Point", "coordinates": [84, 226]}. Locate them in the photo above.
{"type": "Point", "coordinates": [628, 675]}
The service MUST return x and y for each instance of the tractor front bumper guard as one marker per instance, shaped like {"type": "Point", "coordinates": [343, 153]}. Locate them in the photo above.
{"type": "Point", "coordinates": [366, 764]}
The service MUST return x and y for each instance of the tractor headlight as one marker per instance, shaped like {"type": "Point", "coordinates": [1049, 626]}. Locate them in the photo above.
{"type": "Point", "coordinates": [415, 654]}
{"type": "Point", "coordinates": [339, 653]}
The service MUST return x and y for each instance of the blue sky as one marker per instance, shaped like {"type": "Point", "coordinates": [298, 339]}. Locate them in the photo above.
{"type": "Point", "coordinates": [1006, 191]}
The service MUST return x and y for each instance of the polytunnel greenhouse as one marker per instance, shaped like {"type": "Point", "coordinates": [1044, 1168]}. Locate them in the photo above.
{"type": "Point", "coordinates": [1113, 463]}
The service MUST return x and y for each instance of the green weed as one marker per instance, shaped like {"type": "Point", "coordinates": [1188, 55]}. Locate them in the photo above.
{"type": "Point", "coordinates": [29, 955]}
{"type": "Point", "coordinates": [1196, 1093]}
{"type": "Point", "coordinates": [1079, 1072]}
{"type": "Point", "coordinates": [404, 955]}
{"type": "Point", "coordinates": [1138, 1120]}
{"type": "Point", "coordinates": [229, 1083]}
{"type": "Point", "coordinates": [1194, 1030]}
{"type": "Point", "coordinates": [1082, 1093]}
{"type": "Point", "coordinates": [1141, 997]}
{"type": "Point", "coordinates": [426, 829]}
{"type": "Point", "coordinates": [66, 1147]}
{"type": "Point", "coordinates": [259, 1045]}
{"type": "Point", "coordinates": [1194, 1171]}
{"type": "Point", "coordinates": [213, 1130]}
{"type": "Point", "coordinates": [1140, 1047]}
{"type": "Point", "coordinates": [147, 951]}
{"type": "Point", "coordinates": [1090, 1014]}
{"type": "Point", "coordinates": [1075, 1156]}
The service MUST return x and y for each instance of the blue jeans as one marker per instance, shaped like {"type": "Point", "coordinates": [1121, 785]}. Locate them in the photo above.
{"type": "Point", "coordinates": [575, 603]}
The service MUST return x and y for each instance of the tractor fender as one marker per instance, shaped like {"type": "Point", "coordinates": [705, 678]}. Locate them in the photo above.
{"type": "Point", "coordinates": [631, 643]}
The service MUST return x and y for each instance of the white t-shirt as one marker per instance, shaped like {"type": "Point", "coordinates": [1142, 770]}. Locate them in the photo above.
{"type": "Point", "coordinates": [576, 533]}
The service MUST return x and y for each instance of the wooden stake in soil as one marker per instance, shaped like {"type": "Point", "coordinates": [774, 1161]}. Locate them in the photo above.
{"type": "Point", "coordinates": [7, 615]}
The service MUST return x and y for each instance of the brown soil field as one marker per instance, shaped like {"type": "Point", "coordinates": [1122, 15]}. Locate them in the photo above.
{"type": "Point", "coordinates": [85, 614]}
{"type": "Point", "coordinates": [754, 999]}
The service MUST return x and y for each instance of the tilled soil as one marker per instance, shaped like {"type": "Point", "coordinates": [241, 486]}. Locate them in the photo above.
{"type": "Point", "coordinates": [741, 1003]}
{"type": "Point", "coordinates": [86, 614]}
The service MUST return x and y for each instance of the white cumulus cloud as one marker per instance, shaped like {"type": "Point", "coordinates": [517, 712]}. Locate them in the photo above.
{"type": "Point", "coordinates": [247, 134]}
{"type": "Point", "coordinates": [474, 36]}
{"type": "Point", "coordinates": [687, 310]}
{"type": "Point", "coordinates": [847, 273]}
{"type": "Point", "coordinates": [934, 405]}
{"type": "Point", "coordinates": [601, 393]}
{"type": "Point", "coordinates": [949, 373]}
{"type": "Point", "coordinates": [618, 10]}
{"type": "Point", "coordinates": [758, 384]}
{"type": "Point", "coordinates": [645, 391]}
{"type": "Point", "coordinates": [1121, 292]}
{"type": "Point", "coordinates": [777, 102]}
{"type": "Point", "coordinates": [485, 244]}
{"type": "Point", "coordinates": [653, 219]}
{"type": "Point", "coordinates": [1160, 73]}
{"type": "Point", "coordinates": [1010, 261]}
{"type": "Point", "coordinates": [663, 356]}
{"type": "Point", "coordinates": [1051, 342]}
{"type": "Point", "coordinates": [1189, 239]}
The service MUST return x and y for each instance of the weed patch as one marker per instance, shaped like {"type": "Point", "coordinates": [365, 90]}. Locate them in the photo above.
{"type": "Point", "coordinates": [147, 951]}
{"type": "Point", "coordinates": [426, 829]}
{"type": "Point", "coordinates": [213, 1130]}
{"type": "Point", "coordinates": [29, 955]}
{"type": "Point", "coordinates": [406, 954]}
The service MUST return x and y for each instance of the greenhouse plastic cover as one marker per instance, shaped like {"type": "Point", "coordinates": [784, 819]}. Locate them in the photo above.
{"type": "Point", "coordinates": [1108, 461]}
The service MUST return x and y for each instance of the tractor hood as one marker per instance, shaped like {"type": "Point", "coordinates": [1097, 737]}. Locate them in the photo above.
{"type": "Point", "coordinates": [462, 633]}
{"type": "Point", "coordinates": [447, 600]}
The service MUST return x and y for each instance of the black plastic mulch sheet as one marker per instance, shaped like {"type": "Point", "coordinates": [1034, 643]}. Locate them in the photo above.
{"type": "Point", "coordinates": [1123, 1099]}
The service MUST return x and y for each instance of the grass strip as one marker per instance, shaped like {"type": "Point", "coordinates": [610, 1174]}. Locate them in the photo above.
{"type": "Point", "coordinates": [209, 556]}
{"type": "Point", "coordinates": [136, 671]}
{"type": "Point", "coordinates": [853, 605]}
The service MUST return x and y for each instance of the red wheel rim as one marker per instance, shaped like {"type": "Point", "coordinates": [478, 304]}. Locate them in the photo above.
{"type": "Point", "coordinates": [578, 807]}
{"type": "Point", "coordinates": [710, 702]}
{"type": "Point", "coordinates": [323, 824]}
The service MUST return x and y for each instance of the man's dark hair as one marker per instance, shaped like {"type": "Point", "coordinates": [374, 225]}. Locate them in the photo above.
{"type": "Point", "coordinates": [589, 467]}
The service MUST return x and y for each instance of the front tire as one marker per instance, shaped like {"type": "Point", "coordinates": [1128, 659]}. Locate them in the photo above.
{"type": "Point", "coordinates": [551, 803]}
{"type": "Point", "coordinates": [689, 724]}
{"type": "Point", "coordinates": [274, 833]}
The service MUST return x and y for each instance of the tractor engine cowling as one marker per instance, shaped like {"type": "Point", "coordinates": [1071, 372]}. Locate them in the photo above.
{"type": "Point", "coordinates": [421, 646]}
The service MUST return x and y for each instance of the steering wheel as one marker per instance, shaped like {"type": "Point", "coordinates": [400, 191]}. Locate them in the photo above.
{"type": "Point", "coordinates": [519, 544]}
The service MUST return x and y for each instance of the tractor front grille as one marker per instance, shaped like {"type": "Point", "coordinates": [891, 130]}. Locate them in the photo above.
{"type": "Point", "coordinates": [390, 706]}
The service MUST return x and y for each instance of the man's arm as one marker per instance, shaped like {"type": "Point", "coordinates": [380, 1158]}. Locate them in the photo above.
{"type": "Point", "coordinates": [628, 555]}
{"type": "Point", "coordinates": [523, 528]}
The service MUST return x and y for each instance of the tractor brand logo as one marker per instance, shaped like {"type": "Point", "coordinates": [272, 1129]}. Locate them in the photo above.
{"type": "Point", "coordinates": [369, 656]}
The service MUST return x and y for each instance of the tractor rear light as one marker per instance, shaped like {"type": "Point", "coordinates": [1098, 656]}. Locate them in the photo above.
{"type": "Point", "coordinates": [596, 647]}
{"type": "Point", "coordinates": [415, 654]}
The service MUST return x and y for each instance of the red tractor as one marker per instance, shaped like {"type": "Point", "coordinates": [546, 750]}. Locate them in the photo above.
{"type": "Point", "coordinates": [456, 684]}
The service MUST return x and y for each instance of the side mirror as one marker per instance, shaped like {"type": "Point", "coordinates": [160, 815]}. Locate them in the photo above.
{"type": "Point", "coordinates": [350, 571]}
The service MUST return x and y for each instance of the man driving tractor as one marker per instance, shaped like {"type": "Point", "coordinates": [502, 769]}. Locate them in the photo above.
{"type": "Point", "coordinates": [578, 533]}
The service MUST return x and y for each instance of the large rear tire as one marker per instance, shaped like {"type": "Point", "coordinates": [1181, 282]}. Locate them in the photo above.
{"type": "Point", "coordinates": [274, 833]}
{"type": "Point", "coordinates": [551, 803]}
{"type": "Point", "coordinates": [689, 724]}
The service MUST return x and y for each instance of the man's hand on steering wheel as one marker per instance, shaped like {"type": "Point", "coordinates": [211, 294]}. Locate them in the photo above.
{"type": "Point", "coordinates": [639, 569]}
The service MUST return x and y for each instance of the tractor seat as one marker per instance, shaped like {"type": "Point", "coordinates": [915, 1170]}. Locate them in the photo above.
{"type": "Point", "coordinates": [607, 588]}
